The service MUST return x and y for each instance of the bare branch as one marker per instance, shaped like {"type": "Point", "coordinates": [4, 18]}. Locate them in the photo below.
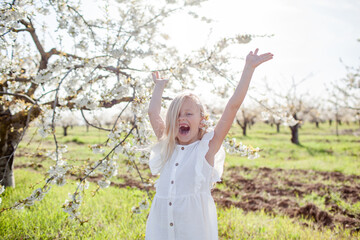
{"type": "Point", "coordinates": [88, 123]}
{"type": "Point", "coordinates": [25, 97]}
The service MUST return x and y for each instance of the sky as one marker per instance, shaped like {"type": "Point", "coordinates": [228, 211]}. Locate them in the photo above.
{"type": "Point", "coordinates": [309, 37]}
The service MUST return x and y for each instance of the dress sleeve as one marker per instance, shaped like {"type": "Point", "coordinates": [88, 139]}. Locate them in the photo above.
{"type": "Point", "coordinates": [218, 161]}
{"type": "Point", "coordinates": [155, 161]}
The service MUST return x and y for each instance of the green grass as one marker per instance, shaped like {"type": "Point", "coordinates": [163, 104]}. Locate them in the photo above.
{"type": "Point", "coordinates": [319, 149]}
{"type": "Point", "coordinates": [235, 224]}
{"type": "Point", "coordinates": [109, 212]}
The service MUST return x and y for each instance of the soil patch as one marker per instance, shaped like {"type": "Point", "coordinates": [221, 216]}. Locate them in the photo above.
{"type": "Point", "coordinates": [281, 191]}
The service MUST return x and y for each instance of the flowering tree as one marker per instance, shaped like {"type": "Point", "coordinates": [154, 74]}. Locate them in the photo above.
{"type": "Point", "coordinates": [245, 118]}
{"type": "Point", "coordinates": [59, 55]}
{"type": "Point", "coordinates": [68, 119]}
{"type": "Point", "coordinates": [344, 94]}
{"type": "Point", "coordinates": [287, 108]}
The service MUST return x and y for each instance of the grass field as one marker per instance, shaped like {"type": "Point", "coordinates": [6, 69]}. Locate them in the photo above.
{"type": "Point", "coordinates": [310, 191]}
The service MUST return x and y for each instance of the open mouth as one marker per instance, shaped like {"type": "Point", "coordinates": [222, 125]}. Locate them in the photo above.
{"type": "Point", "coordinates": [184, 129]}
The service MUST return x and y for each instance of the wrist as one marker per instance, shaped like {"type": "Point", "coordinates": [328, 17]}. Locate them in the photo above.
{"type": "Point", "coordinates": [160, 85]}
{"type": "Point", "coordinates": [249, 67]}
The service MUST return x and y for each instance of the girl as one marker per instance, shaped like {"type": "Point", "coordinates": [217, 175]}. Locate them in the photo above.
{"type": "Point", "coordinates": [189, 160]}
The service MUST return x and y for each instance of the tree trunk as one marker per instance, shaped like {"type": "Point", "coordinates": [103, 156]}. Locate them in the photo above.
{"type": "Point", "coordinates": [11, 130]}
{"type": "Point", "coordinates": [277, 127]}
{"type": "Point", "coordinates": [87, 127]}
{"type": "Point", "coordinates": [295, 134]}
{"type": "Point", "coordinates": [295, 131]}
{"type": "Point", "coordinates": [244, 130]}
{"type": "Point", "coordinates": [7, 178]}
{"type": "Point", "coordinates": [243, 126]}
{"type": "Point", "coordinates": [330, 122]}
{"type": "Point", "coordinates": [317, 124]}
{"type": "Point", "coordinates": [65, 130]}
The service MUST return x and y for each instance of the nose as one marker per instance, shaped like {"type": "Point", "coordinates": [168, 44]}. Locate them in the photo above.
{"type": "Point", "coordinates": [181, 117]}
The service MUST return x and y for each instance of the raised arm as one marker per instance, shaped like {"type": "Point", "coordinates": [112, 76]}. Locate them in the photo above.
{"type": "Point", "coordinates": [223, 126]}
{"type": "Point", "coordinates": [156, 121]}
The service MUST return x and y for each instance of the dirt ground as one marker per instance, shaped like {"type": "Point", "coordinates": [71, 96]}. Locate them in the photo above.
{"type": "Point", "coordinates": [280, 191]}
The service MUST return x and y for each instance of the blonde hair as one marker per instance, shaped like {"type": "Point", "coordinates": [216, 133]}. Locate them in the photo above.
{"type": "Point", "coordinates": [168, 139]}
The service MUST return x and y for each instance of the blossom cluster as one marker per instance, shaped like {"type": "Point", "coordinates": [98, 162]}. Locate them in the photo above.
{"type": "Point", "coordinates": [238, 148]}
{"type": "Point", "coordinates": [280, 117]}
{"type": "Point", "coordinates": [207, 123]}
{"type": "Point", "coordinates": [11, 16]}
{"type": "Point", "coordinates": [72, 205]}
{"type": "Point", "coordinates": [57, 173]}
{"type": "Point", "coordinates": [108, 168]}
{"type": "Point", "coordinates": [143, 205]}
{"type": "Point", "coordinates": [37, 195]}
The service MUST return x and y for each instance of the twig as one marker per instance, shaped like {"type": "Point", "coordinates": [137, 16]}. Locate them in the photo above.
{"type": "Point", "coordinates": [87, 122]}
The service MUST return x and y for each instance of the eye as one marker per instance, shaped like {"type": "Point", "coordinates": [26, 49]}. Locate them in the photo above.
{"type": "Point", "coordinates": [189, 114]}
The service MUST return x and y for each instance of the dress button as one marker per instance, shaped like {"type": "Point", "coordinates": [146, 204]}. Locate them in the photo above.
{"type": "Point", "coordinates": [182, 148]}
{"type": "Point", "coordinates": [172, 182]}
{"type": "Point", "coordinates": [171, 224]}
{"type": "Point", "coordinates": [176, 164]}
{"type": "Point", "coordinates": [170, 203]}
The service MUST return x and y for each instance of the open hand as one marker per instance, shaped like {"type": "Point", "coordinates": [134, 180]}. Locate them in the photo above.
{"type": "Point", "coordinates": [254, 60]}
{"type": "Point", "coordinates": [157, 79]}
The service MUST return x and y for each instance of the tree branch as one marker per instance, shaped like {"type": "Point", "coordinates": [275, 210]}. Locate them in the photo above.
{"type": "Point", "coordinates": [105, 104]}
{"type": "Point", "coordinates": [25, 97]}
{"type": "Point", "coordinates": [88, 123]}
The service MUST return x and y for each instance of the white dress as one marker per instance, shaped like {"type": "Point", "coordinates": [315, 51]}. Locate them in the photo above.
{"type": "Point", "coordinates": [183, 208]}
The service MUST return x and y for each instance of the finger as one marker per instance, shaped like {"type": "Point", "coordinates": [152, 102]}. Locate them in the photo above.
{"type": "Point", "coordinates": [256, 51]}
{"type": "Point", "coordinates": [157, 75]}
{"type": "Point", "coordinates": [266, 58]}
{"type": "Point", "coordinates": [154, 76]}
{"type": "Point", "coordinates": [266, 55]}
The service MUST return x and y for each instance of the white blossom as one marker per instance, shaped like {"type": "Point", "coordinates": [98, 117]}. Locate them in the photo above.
{"type": "Point", "coordinates": [104, 184]}
{"type": "Point", "coordinates": [83, 185]}
{"type": "Point", "coordinates": [117, 53]}
{"type": "Point", "coordinates": [72, 205]}
{"type": "Point", "coordinates": [19, 206]}
{"type": "Point", "coordinates": [232, 147]}
{"type": "Point", "coordinates": [97, 149]}
{"type": "Point", "coordinates": [42, 132]}
{"type": "Point", "coordinates": [144, 205]}
{"type": "Point", "coordinates": [136, 210]}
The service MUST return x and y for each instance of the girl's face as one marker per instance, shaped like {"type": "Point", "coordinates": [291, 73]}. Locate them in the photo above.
{"type": "Point", "coordinates": [188, 123]}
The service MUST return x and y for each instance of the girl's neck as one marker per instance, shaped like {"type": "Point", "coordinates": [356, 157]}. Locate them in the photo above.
{"type": "Point", "coordinates": [186, 143]}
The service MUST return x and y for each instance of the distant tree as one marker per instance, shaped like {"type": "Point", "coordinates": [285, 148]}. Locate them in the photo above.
{"type": "Point", "coordinates": [245, 118]}
{"type": "Point", "coordinates": [313, 112]}
{"type": "Point", "coordinates": [286, 107]}
{"type": "Point", "coordinates": [344, 93]}
{"type": "Point", "coordinates": [68, 119]}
